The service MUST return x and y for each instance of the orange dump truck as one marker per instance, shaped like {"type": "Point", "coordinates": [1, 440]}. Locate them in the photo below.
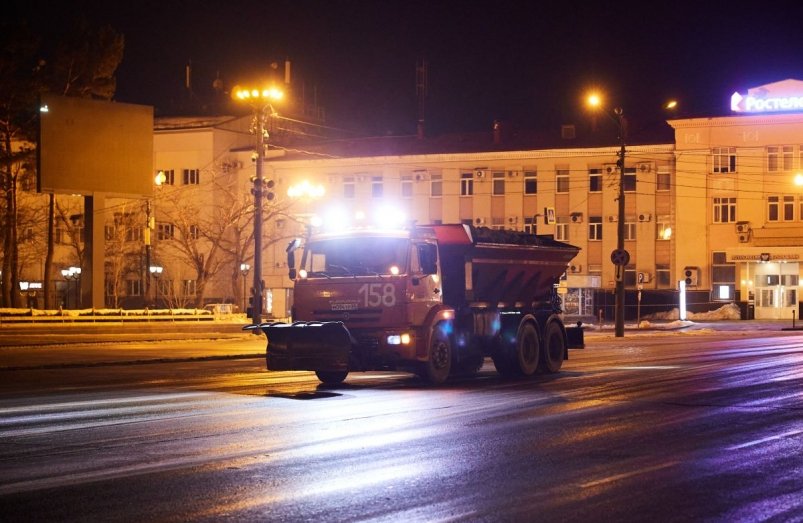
{"type": "Point", "coordinates": [432, 299]}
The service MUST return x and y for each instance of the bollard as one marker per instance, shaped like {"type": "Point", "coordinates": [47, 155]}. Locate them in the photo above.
{"type": "Point", "coordinates": [793, 319]}
{"type": "Point", "coordinates": [600, 319]}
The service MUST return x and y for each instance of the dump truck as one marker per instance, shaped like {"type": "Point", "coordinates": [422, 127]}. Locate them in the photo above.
{"type": "Point", "coordinates": [435, 300]}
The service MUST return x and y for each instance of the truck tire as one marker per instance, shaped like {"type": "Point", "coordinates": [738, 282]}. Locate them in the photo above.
{"type": "Point", "coordinates": [527, 350]}
{"type": "Point", "coordinates": [439, 360]}
{"type": "Point", "coordinates": [554, 348]}
{"type": "Point", "coordinates": [521, 357]}
{"type": "Point", "coordinates": [331, 377]}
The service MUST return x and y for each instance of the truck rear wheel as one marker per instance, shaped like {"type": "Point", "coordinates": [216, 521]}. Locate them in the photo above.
{"type": "Point", "coordinates": [521, 357]}
{"type": "Point", "coordinates": [331, 377]}
{"type": "Point", "coordinates": [528, 351]}
{"type": "Point", "coordinates": [555, 348]}
{"type": "Point", "coordinates": [439, 361]}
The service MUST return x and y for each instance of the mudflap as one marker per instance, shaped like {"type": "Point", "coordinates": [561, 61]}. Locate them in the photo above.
{"type": "Point", "coordinates": [307, 345]}
{"type": "Point", "coordinates": [574, 338]}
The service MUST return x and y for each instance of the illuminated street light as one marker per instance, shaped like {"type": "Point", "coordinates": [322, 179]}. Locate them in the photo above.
{"type": "Point", "coordinates": [799, 179]}
{"type": "Point", "coordinates": [620, 256]}
{"type": "Point", "coordinates": [156, 271]}
{"type": "Point", "coordinates": [260, 99]}
{"type": "Point", "coordinates": [244, 269]}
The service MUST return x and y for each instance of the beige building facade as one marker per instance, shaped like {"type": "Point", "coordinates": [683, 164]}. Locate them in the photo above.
{"type": "Point", "coordinates": [717, 207]}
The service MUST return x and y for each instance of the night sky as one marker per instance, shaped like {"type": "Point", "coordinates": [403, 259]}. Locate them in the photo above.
{"type": "Point", "coordinates": [527, 62]}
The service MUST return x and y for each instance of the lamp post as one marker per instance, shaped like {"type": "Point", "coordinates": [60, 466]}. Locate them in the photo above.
{"type": "Point", "coordinates": [156, 271]}
{"type": "Point", "coordinates": [74, 274]}
{"type": "Point", "coordinates": [244, 268]}
{"type": "Point", "coordinates": [620, 257]}
{"type": "Point", "coordinates": [260, 102]}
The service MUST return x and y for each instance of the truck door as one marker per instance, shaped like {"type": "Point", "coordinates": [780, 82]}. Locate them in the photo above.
{"type": "Point", "coordinates": [424, 285]}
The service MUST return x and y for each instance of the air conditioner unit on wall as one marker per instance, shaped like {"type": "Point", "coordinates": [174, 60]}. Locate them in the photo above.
{"type": "Point", "coordinates": [480, 221]}
{"type": "Point", "coordinates": [742, 227]}
{"type": "Point", "coordinates": [692, 276]}
{"type": "Point", "coordinates": [644, 167]}
{"type": "Point", "coordinates": [479, 174]}
{"type": "Point", "coordinates": [644, 217]}
{"type": "Point", "coordinates": [577, 217]}
{"type": "Point", "coordinates": [613, 218]}
{"type": "Point", "coordinates": [744, 237]}
{"type": "Point", "coordinates": [575, 268]}
{"type": "Point", "coordinates": [644, 277]}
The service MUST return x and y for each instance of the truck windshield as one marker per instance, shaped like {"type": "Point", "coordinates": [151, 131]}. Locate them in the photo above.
{"type": "Point", "coordinates": [357, 256]}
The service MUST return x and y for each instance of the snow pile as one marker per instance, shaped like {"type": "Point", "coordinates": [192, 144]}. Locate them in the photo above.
{"type": "Point", "coordinates": [726, 312]}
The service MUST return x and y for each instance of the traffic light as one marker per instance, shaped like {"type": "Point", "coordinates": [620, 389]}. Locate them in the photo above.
{"type": "Point", "coordinates": [269, 185]}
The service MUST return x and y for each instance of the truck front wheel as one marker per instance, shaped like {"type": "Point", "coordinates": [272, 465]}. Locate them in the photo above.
{"type": "Point", "coordinates": [439, 361]}
{"type": "Point", "coordinates": [552, 356]}
{"type": "Point", "coordinates": [331, 377]}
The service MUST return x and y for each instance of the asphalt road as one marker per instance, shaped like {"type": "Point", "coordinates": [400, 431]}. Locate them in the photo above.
{"type": "Point", "coordinates": [671, 427]}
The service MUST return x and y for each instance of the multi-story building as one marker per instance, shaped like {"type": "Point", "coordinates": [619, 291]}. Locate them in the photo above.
{"type": "Point", "coordinates": [710, 201]}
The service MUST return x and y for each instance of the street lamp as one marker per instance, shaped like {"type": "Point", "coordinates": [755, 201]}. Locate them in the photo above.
{"type": "Point", "coordinates": [620, 256]}
{"type": "Point", "coordinates": [156, 271]}
{"type": "Point", "coordinates": [74, 274]}
{"type": "Point", "coordinates": [244, 268]}
{"type": "Point", "coordinates": [260, 100]}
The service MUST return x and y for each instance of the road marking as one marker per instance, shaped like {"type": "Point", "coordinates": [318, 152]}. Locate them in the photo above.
{"type": "Point", "coordinates": [618, 477]}
{"type": "Point", "coordinates": [768, 438]}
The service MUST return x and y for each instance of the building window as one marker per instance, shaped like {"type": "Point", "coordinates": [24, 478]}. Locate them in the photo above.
{"type": "Point", "coordinates": [630, 179]}
{"type": "Point", "coordinates": [165, 231]}
{"type": "Point", "coordinates": [724, 159]}
{"type": "Point", "coordinates": [466, 184]}
{"type": "Point", "coordinates": [194, 232]}
{"type": "Point", "coordinates": [436, 186]}
{"type": "Point", "coordinates": [788, 208]}
{"type": "Point", "coordinates": [723, 277]}
{"type": "Point", "coordinates": [773, 208]}
{"type": "Point", "coordinates": [595, 228]}
{"type": "Point", "coordinates": [724, 210]}
{"type": "Point", "coordinates": [497, 223]}
{"type": "Point", "coordinates": [562, 180]}
{"type": "Point", "coordinates": [662, 278]}
{"type": "Point", "coordinates": [530, 224]}
{"type": "Point", "coordinates": [133, 234]}
{"type": "Point", "coordinates": [663, 228]}
{"type": "Point", "coordinates": [189, 287]}
{"type": "Point", "coordinates": [192, 176]}
{"type": "Point", "coordinates": [498, 186]}
{"type": "Point", "coordinates": [60, 236]}
{"type": "Point", "coordinates": [595, 269]}
{"type": "Point", "coordinates": [562, 229]}
{"type": "Point", "coordinates": [348, 187]}
{"type": "Point", "coordinates": [407, 186]}
{"type": "Point", "coordinates": [377, 187]}
{"type": "Point", "coordinates": [530, 182]}
{"type": "Point", "coordinates": [663, 180]}
{"type": "Point", "coordinates": [595, 180]}
{"type": "Point", "coordinates": [631, 278]}
{"type": "Point", "coordinates": [630, 231]}
{"type": "Point", "coordinates": [165, 177]}
{"type": "Point", "coordinates": [779, 158]}
{"type": "Point", "coordinates": [133, 287]}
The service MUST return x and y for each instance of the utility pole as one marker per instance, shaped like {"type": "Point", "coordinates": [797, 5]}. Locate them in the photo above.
{"type": "Point", "coordinates": [623, 258]}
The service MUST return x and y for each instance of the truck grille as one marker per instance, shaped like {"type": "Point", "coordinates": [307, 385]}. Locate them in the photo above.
{"type": "Point", "coordinates": [355, 317]}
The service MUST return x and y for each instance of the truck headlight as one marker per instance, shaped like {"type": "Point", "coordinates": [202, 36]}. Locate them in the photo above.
{"type": "Point", "coordinates": [399, 339]}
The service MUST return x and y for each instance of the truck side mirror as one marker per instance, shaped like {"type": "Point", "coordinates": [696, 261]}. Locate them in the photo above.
{"type": "Point", "coordinates": [291, 258]}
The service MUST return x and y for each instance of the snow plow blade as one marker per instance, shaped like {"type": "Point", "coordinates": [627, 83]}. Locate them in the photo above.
{"type": "Point", "coordinates": [306, 345]}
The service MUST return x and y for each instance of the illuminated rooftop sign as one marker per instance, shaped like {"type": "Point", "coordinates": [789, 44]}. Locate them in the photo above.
{"type": "Point", "coordinates": [784, 96]}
